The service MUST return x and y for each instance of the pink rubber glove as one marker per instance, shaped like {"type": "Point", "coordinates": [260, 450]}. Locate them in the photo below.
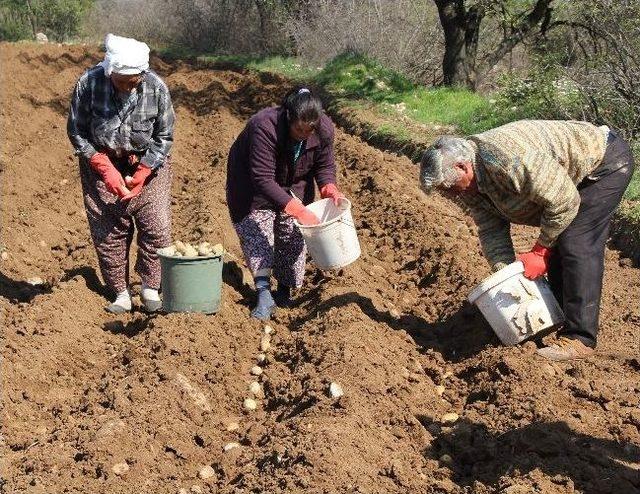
{"type": "Point", "coordinates": [111, 177]}
{"type": "Point", "coordinates": [536, 262]}
{"type": "Point", "coordinates": [304, 216]}
{"type": "Point", "coordinates": [136, 182]}
{"type": "Point", "coordinates": [331, 191]}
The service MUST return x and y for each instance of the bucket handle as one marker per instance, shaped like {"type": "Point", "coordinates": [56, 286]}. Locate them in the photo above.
{"type": "Point", "coordinates": [348, 223]}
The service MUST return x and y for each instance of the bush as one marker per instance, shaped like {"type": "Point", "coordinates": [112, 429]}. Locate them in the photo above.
{"type": "Point", "coordinates": [239, 27]}
{"type": "Point", "coordinates": [542, 94]}
{"type": "Point", "coordinates": [404, 35]}
{"type": "Point", "coordinates": [58, 19]}
{"type": "Point", "coordinates": [13, 29]}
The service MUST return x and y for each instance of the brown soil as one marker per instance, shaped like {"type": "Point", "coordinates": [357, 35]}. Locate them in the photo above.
{"type": "Point", "coordinates": [83, 391]}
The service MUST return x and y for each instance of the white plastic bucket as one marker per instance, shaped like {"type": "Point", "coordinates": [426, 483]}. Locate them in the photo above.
{"type": "Point", "coordinates": [516, 308]}
{"type": "Point", "coordinates": [334, 242]}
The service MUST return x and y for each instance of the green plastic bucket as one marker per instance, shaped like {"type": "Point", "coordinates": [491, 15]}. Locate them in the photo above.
{"type": "Point", "coordinates": [191, 284]}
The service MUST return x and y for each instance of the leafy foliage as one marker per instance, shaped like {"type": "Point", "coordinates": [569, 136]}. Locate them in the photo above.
{"type": "Point", "coordinates": [58, 19]}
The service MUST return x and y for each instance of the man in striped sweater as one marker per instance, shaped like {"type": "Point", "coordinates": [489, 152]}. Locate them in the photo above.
{"type": "Point", "coordinates": [566, 177]}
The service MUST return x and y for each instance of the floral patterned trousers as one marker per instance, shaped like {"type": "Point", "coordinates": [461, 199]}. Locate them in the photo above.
{"type": "Point", "coordinates": [112, 223]}
{"type": "Point", "coordinates": [271, 242]}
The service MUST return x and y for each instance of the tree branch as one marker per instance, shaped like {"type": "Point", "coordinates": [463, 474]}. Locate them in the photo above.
{"type": "Point", "coordinates": [517, 34]}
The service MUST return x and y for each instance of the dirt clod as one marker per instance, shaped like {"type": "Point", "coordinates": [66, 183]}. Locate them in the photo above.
{"type": "Point", "coordinates": [449, 418]}
{"type": "Point", "coordinates": [265, 343]}
{"type": "Point", "coordinates": [233, 426]}
{"type": "Point", "coordinates": [229, 446]}
{"type": "Point", "coordinates": [256, 389]}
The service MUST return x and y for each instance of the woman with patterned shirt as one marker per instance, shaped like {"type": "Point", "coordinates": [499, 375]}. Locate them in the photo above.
{"type": "Point", "coordinates": [121, 126]}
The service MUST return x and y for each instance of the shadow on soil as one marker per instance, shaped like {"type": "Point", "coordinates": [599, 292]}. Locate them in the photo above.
{"type": "Point", "coordinates": [594, 465]}
{"type": "Point", "coordinates": [458, 336]}
{"type": "Point", "coordinates": [90, 278]}
{"type": "Point", "coordinates": [132, 328]}
{"type": "Point", "coordinates": [232, 276]}
{"type": "Point", "coordinates": [17, 291]}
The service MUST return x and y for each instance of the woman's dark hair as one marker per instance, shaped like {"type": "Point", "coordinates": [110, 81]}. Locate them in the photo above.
{"type": "Point", "coordinates": [301, 104]}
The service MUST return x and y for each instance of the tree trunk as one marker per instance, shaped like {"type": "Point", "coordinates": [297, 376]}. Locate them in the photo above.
{"type": "Point", "coordinates": [265, 35]}
{"type": "Point", "coordinates": [461, 30]}
{"type": "Point", "coordinates": [32, 18]}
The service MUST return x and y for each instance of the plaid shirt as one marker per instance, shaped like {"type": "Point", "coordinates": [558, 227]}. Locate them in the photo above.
{"type": "Point", "coordinates": [527, 173]}
{"type": "Point", "coordinates": [100, 120]}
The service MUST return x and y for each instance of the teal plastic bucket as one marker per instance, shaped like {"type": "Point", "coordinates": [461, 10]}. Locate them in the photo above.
{"type": "Point", "coordinates": [191, 284]}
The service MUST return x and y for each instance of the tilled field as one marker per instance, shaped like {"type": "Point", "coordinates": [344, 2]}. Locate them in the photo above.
{"type": "Point", "coordinates": [84, 392]}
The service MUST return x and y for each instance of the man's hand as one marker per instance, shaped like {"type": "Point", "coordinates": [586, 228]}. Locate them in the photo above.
{"type": "Point", "coordinates": [136, 183]}
{"type": "Point", "coordinates": [536, 262]}
{"type": "Point", "coordinates": [304, 216]}
{"type": "Point", "coordinates": [111, 177]}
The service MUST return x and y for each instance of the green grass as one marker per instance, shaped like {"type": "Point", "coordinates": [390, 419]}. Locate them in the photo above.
{"type": "Point", "coordinates": [290, 67]}
{"type": "Point", "coordinates": [354, 76]}
{"type": "Point", "coordinates": [633, 191]}
{"type": "Point", "coordinates": [461, 108]}
{"type": "Point", "coordinates": [351, 76]}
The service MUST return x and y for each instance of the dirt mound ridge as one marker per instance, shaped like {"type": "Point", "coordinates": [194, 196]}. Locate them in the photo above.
{"type": "Point", "coordinates": [83, 391]}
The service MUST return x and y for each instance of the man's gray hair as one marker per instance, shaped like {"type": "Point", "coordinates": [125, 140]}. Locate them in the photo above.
{"type": "Point", "coordinates": [437, 168]}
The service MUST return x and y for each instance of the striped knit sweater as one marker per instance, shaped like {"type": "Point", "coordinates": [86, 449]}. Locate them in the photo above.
{"type": "Point", "coordinates": [527, 172]}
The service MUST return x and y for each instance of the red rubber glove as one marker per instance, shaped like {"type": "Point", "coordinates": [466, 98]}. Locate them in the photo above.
{"type": "Point", "coordinates": [111, 177]}
{"type": "Point", "coordinates": [536, 262]}
{"type": "Point", "coordinates": [136, 182]}
{"type": "Point", "coordinates": [304, 216]}
{"type": "Point", "coordinates": [331, 191]}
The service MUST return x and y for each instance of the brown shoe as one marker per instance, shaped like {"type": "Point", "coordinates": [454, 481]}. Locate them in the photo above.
{"type": "Point", "coordinates": [566, 349]}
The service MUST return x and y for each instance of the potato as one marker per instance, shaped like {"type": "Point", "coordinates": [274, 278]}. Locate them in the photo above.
{"type": "Point", "coordinates": [190, 251]}
{"type": "Point", "coordinates": [179, 246]}
{"type": "Point", "coordinates": [204, 250]}
{"type": "Point", "coordinates": [167, 251]}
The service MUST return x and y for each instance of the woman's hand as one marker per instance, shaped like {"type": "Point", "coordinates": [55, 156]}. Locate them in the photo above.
{"type": "Point", "coordinates": [111, 177]}
{"type": "Point", "coordinates": [136, 183]}
{"type": "Point", "coordinates": [330, 191]}
{"type": "Point", "coordinates": [304, 216]}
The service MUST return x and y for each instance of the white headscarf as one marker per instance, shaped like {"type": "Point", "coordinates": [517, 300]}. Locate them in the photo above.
{"type": "Point", "coordinates": [125, 56]}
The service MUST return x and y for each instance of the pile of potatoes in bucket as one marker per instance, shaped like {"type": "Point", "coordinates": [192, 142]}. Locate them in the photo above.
{"type": "Point", "coordinates": [185, 249]}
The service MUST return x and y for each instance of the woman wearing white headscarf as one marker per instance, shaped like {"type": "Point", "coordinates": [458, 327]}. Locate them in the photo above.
{"type": "Point", "coordinates": [121, 126]}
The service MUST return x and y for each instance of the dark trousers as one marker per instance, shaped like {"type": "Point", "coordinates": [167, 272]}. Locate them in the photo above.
{"type": "Point", "coordinates": [577, 264]}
